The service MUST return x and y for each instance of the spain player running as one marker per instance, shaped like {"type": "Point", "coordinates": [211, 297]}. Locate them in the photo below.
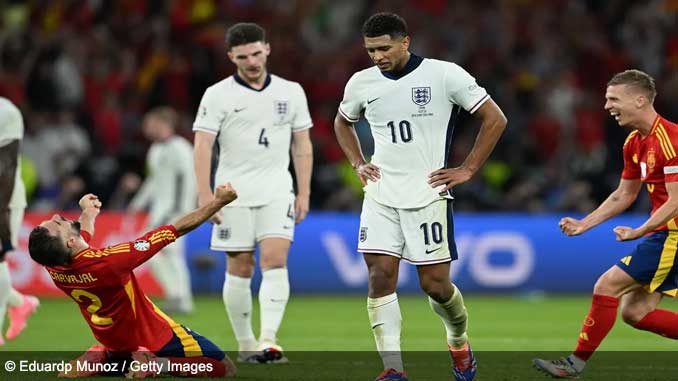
{"type": "Point", "coordinates": [411, 104]}
{"type": "Point", "coordinates": [102, 283]}
{"type": "Point", "coordinates": [639, 279]}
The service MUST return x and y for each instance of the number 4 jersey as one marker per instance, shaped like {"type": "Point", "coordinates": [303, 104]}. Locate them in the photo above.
{"type": "Point", "coordinates": [412, 116]}
{"type": "Point", "coordinates": [254, 130]}
{"type": "Point", "coordinates": [118, 312]}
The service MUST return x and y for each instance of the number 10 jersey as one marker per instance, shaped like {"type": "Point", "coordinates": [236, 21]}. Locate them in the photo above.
{"type": "Point", "coordinates": [412, 116]}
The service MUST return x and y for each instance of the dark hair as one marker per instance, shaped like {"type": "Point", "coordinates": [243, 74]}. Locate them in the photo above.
{"type": "Point", "coordinates": [383, 23]}
{"type": "Point", "coordinates": [244, 33]}
{"type": "Point", "coordinates": [638, 79]}
{"type": "Point", "coordinates": [46, 249]}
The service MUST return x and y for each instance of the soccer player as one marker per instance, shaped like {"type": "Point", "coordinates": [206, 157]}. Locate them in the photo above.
{"type": "Point", "coordinates": [169, 189]}
{"type": "Point", "coordinates": [639, 279]}
{"type": "Point", "coordinates": [12, 205]}
{"type": "Point", "coordinates": [102, 283]}
{"type": "Point", "coordinates": [411, 104]}
{"type": "Point", "coordinates": [254, 115]}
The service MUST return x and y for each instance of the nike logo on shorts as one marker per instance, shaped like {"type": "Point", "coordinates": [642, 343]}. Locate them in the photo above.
{"type": "Point", "coordinates": [432, 251]}
{"type": "Point", "coordinates": [370, 101]}
{"type": "Point", "coordinates": [239, 109]}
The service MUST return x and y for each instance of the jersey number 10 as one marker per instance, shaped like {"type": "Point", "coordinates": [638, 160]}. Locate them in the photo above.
{"type": "Point", "coordinates": [405, 131]}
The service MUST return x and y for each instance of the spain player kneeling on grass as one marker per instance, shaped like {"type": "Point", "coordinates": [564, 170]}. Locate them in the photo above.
{"type": "Point", "coordinates": [130, 328]}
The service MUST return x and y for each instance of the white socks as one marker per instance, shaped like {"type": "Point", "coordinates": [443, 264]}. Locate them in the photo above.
{"type": "Point", "coordinates": [5, 290]}
{"type": "Point", "coordinates": [454, 316]}
{"type": "Point", "coordinates": [238, 301]}
{"type": "Point", "coordinates": [273, 296]}
{"type": "Point", "coordinates": [385, 319]}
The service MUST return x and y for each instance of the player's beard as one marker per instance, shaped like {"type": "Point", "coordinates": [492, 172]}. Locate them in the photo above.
{"type": "Point", "coordinates": [76, 226]}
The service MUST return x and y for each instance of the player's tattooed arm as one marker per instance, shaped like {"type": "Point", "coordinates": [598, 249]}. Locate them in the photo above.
{"type": "Point", "coordinates": [302, 157]}
{"type": "Point", "coordinates": [617, 202]}
{"type": "Point", "coordinates": [91, 207]}
{"type": "Point", "coordinates": [348, 140]}
{"type": "Point", "coordinates": [661, 216]}
{"type": "Point", "coordinates": [203, 145]}
{"type": "Point", "coordinates": [223, 195]}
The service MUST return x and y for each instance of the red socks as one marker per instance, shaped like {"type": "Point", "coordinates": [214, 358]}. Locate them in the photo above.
{"type": "Point", "coordinates": [597, 325]}
{"type": "Point", "coordinates": [661, 322]}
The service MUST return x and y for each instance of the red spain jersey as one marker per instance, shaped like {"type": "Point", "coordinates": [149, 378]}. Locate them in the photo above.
{"type": "Point", "coordinates": [653, 160]}
{"type": "Point", "coordinates": [101, 281]}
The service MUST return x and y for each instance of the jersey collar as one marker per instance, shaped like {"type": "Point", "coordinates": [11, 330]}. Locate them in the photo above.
{"type": "Point", "coordinates": [245, 84]}
{"type": "Point", "coordinates": [411, 64]}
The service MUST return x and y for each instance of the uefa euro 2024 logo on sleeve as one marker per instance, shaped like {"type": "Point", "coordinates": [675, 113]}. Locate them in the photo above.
{"type": "Point", "coordinates": [281, 110]}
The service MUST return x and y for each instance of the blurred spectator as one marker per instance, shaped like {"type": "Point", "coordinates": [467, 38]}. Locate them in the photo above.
{"type": "Point", "coordinates": [545, 62]}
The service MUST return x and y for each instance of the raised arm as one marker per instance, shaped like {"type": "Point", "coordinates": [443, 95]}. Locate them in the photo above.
{"type": "Point", "coordinates": [350, 144]}
{"type": "Point", "coordinates": [223, 195]}
{"type": "Point", "coordinates": [9, 154]}
{"type": "Point", "coordinates": [302, 157]}
{"type": "Point", "coordinates": [91, 207]}
{"type": "Point", "coordinates": [493, 123]}
{"type": "Point", "coordinates": [617, 202]}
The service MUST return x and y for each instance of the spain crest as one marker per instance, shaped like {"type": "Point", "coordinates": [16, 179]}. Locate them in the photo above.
{"type": "Point", "coordinates": [651, 159]}
{"type": "Point", "coordinates": [421, 95]}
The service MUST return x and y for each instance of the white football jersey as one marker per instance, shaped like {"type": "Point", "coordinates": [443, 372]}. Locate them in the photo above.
{"type": "Point", "coordinates": [412, 118]}
{"type": "Point", "coordinates": [169, 189]}
{"type": "Point", "coordinates": [12, 128]}
{"type": "Point", "coordinates": [254, 131]}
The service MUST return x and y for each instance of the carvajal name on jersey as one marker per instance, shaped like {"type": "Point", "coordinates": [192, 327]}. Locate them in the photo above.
{"type": "Point", "coordinates": [70, 278]}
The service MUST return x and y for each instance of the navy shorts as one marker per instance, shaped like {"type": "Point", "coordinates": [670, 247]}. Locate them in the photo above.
{"type": "Point", "coordinates": [187, 343]}
{"type": "Point", "coordinates": [653, 263]}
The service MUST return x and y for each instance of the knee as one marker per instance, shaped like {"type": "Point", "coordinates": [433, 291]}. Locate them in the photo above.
{"type": "Point", "coordinates": [241, 265]}
{"type": "Point", "coordinates": [604, 286]}
{"type": "Point", "coordinates": [439, 290]}
{"type": "Point", "coordinates": [382, 280]}
{"type": "Point", "coordinates": [633, 313]}
{"type": "Point", "coordinates": [272, 260]}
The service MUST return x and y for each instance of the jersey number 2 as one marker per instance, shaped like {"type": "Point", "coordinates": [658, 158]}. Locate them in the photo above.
{"type": "Point", "coordinates": [93, 307]}
{"type": "Point", "coordinates": [262, 139]}
{"type": "Point", "coordinates": [405, 131]}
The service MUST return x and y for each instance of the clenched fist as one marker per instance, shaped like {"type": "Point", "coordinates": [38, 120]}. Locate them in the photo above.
{"type": "Point", "coordinates": [89, 201]}
{"type": "Point", "coordinates": [225, 193]}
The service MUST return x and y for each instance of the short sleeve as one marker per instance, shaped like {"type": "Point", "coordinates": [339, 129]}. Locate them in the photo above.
{"type": "Point", "coordinates": [461, 88]}
{"type": "Point", "coordinates": [128, 256]}
{"type": "Point", "coordinates": [631, 169]}
{"type": "Point", "coordinates": [352, 104]}
{"type": "Point", "coordinates": [208, 118]}
{"type": "Point", "coordinates": [302, 117]}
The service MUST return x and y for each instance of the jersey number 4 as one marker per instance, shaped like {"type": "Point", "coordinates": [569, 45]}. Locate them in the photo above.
{"type": "Point", "coordinates": [263, 140]}
{"type": "Point", "coordinates": [405, 131]}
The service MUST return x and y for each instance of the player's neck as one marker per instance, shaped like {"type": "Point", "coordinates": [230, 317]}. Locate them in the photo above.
{"type": "Point", "coordinates": [646, 122]}
{"type": "Point", "coordinates": [78, 246]}
{"type": "Point", "coordinates": [403, 63]}
{"type": "Point", "coordinates": [257, 83]}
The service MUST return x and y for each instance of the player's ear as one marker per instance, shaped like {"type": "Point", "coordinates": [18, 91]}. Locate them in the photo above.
{"type": "Point", "coordinates": [231, 56]}
{"type": "Point", "coordinates": [641, 101]}
{"type": "Point", "coordinates": [406, 43]}
{"type": "Point", "coordinates": [267, 48]}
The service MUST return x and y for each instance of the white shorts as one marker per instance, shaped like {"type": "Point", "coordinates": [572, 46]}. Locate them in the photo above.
{"type": "Point", "coordinates": [421, 236]}
{"type": "Point", "coordinates": [16, 217]}
{"type": "Point", "coordinates": [242, 227]}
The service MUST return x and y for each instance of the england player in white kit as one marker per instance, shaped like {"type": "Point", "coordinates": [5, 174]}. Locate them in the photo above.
{"type": "Point", "coordinates": [169, 192]}
{"type": "Point", "coordinates": [12, 205]}
{"type": "Point", "coordinates": [411, 104]}
{"type": "Point", "coordinates": [256, 118]}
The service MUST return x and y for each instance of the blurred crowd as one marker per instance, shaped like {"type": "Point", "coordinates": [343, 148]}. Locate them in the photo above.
{"type": "Point", "coordinates": [84, 72]}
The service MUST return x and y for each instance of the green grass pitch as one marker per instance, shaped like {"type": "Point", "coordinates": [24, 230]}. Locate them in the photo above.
{"type": "Point", "coordinates": [329, 338]}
